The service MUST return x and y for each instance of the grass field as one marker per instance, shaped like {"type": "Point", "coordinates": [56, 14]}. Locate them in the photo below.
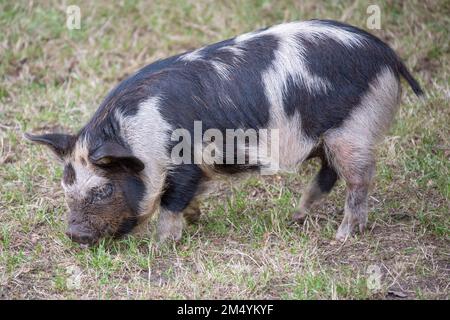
{"type": "Point", "coordinates": [53, 78]}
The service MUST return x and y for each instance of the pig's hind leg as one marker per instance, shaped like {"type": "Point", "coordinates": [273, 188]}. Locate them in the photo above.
{"type": "Point", "coordinates": [356, 165]}
{"type": "Point", "coordinates": [353, 158]}
{"type": "Point", "coordinates": [351, 147]}
{"type": "Point", "coordinates": [318, 188]}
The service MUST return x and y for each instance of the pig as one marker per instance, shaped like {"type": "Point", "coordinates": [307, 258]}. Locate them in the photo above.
{"type": "Point", "coordinates": [329, 90]}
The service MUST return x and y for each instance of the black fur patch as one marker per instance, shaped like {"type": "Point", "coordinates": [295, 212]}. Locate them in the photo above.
{"type": "Point", "coordinates": [126, 226]}
{"type": "Point", "coordinates": [349, 70]}
{"type": "Point", "coordinates": [69, 175]}
{"type": "Point", "coordinates": [326, 178]}
{"type": "Point", "coordinates": [134, 190]}
{"type": "Point", "coordinates": [204, 94]}
{"type": "Point", "coordinates": [126, 98]}
{"type": "Point", "coordinates": [182, 184]}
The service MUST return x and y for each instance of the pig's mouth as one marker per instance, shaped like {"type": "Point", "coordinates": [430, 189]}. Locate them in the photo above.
{"type": "Point", "coordinates": [81, 235]}
{"type": "Point", "coordinates": [88, 234]}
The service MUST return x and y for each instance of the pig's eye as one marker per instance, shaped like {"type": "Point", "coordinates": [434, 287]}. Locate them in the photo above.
{"type": "Point", "coordinates": [102, 192]}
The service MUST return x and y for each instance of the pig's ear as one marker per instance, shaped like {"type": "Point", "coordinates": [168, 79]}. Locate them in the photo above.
{"type": "Point", "coordinates": [59, 143]}
{"type": "Point", "coordinates": [112, 153]}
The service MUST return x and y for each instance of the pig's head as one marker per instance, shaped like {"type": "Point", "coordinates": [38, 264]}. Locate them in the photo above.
{"type": "Point", "coordinates": [102, 186]}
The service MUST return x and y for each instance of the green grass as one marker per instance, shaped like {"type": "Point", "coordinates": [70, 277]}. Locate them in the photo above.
{"type": "Point", "coordinates": [53, 79]}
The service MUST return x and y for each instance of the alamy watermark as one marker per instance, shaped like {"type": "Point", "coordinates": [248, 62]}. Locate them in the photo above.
{"type": "Point", "coordinates": [73, 20]}
{"type": "Point", "coordinates": [374, 19]}
{"type": "Point", "coordinates": [73, 280]}
{"type": "Point", "coordinates": [374, 278]}
{"type": "Point", "coordinates": [248, 147]}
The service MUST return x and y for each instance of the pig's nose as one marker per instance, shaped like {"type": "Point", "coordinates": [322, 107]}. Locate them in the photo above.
{"type": "Point", "coordinates": [80, 236]}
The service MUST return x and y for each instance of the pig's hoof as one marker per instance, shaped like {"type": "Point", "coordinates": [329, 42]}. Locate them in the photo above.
{"type": "Point", "coordinates": [299, 217]}
{"type": "Point", "coordinates": [170, 227]}
{"type": "Point", "coordinates": [192, 216]}
{"type": "Point", "coordinates": [342, 236]}
{"type": "Point", "coordinates": [346, 230]}
{"type": "Point", "coordinates": [362, 227]}
{"type": "Point", "coordinates": [169, 235]}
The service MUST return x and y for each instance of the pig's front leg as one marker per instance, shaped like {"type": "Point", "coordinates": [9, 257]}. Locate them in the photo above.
{"type": "Point", "coordinates": [182, 184]}
{"type": "Point", "coordinates": [170, 225]}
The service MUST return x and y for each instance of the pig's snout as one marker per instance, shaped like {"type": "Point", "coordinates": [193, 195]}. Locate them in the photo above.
{"type": "Point", "coordinates": [78, 234]}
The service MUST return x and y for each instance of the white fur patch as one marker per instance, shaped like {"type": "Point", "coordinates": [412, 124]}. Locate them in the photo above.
{"type": "Point", "coordinates": [192, 56]}
{"type": "Point", "coordinates": [85, 176]}
{"type": "Point", "coordinates": [222, 69]}
{"type": "Point", "coordinates": [235, 50]}
{"type": "Point", "coordinates": [371, 119]}
{"type": "Point", "coordinates": [309, 29]}
{"type": "Point", "coordinates": [290, 63]}
{"type": "Point", "coordinates": [294, 146]}
{"type": "Point", "coordinates": [352, 145]}
{"type": "Point", "coordinates": [290, 57]}
{"type": "Point", "coordinates": [147, 134]}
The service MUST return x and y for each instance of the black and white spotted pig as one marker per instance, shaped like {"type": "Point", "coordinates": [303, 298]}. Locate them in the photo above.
{"type": "Point", "coordinates": [330, 89]}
